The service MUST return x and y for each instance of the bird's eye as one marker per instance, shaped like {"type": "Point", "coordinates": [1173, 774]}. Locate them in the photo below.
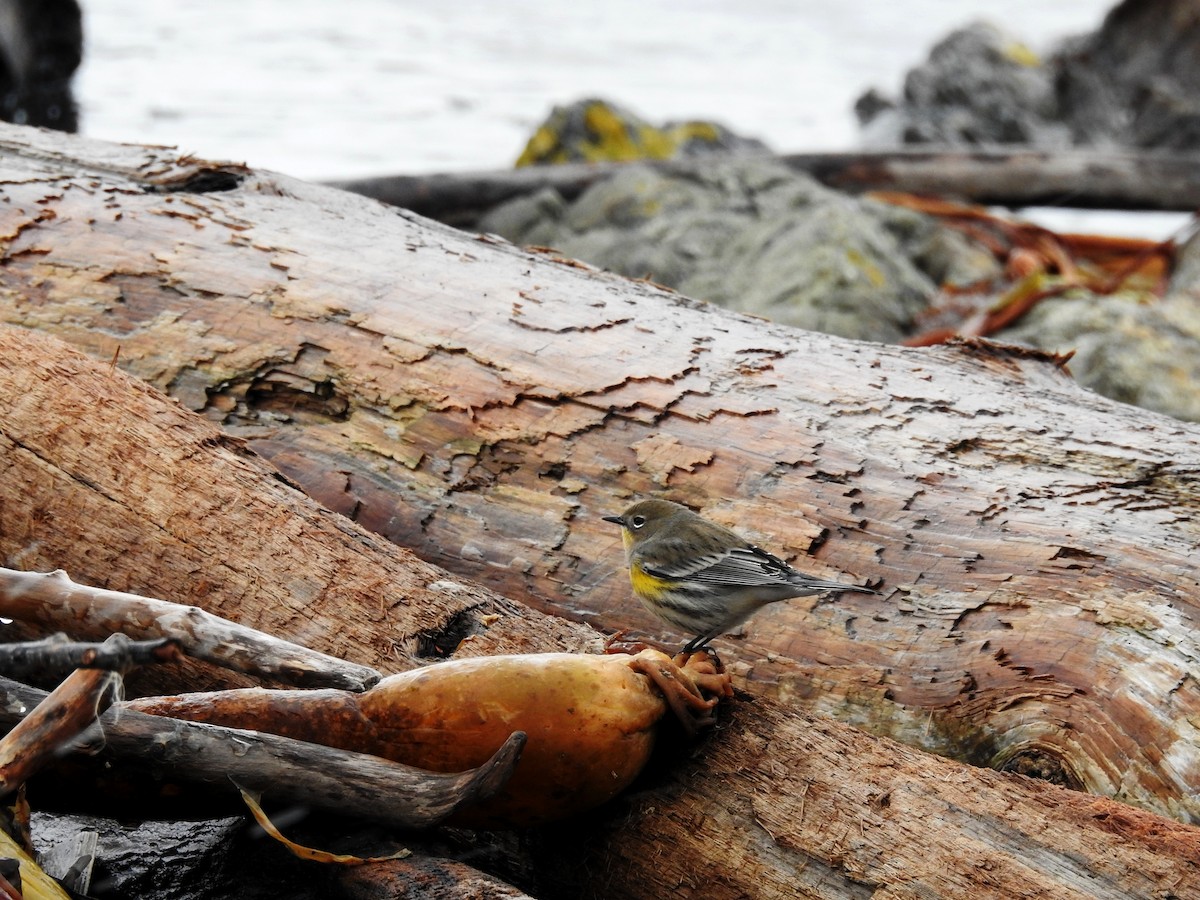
{"type": "Point", "coordinates": [637, 521]}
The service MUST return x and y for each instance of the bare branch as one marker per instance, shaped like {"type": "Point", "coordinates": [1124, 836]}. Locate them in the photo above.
{"type": "Point", "coordinates": [55, 600]}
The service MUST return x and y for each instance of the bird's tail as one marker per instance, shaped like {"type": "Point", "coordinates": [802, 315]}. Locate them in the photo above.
{"type": "Point", "coordinates": [818, 584]}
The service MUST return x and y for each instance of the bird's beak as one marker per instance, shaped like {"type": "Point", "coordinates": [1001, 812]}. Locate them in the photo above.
{"type": "Point", "coordinates": [614, 519]}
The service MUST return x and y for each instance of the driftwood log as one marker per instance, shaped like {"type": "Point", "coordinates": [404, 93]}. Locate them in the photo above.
{"type": "Point", "coordinates": [778, 803]}
{"type": "Point", "coordinates": [1086, 179]}
{"type": "Point", "coordinates": [486, 405]}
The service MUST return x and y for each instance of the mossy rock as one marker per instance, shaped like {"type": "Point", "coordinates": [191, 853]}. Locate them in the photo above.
{"type": "Point", "coordinates": [749, 234]}
{"type": "Point", "coordinates": [598, 131]}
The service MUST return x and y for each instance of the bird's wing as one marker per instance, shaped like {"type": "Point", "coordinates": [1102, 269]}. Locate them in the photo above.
{"type": "Point", "coordinates": [747, 566]}
{"type": "Point", "coordinates": [742, 566]}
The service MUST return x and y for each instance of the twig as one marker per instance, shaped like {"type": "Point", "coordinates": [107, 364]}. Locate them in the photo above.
{"type": "Point", "coordinates": [55, 653]}
{"type": "Point", "coordinates": [53, 599]}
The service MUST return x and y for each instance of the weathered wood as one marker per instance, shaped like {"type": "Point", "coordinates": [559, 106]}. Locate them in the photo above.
{"type": "Point", "coordinates": [420, 877]}
{"type": "Point", "coordinates": [1082, 178]}
{"type": "Point", "coordinates": [486, 406]}
{"type": "Point", "coordinates": [34, 659]}
{"type": "Point", "coordinates": [53, 721]}
{"type": "Point", "coordinates": [338, 782]}
{"type": "Point", "coordinates": [52, 599]}
{"type": "Point", "coordinates": [1086, 179]}
{"type": "Point", "coordinates": [850, 816]}
{"type": "Point", "coordinates": [776, 804]}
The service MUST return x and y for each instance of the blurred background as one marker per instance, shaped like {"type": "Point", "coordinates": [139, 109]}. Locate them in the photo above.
{"type": "Point", "coordinates": [326, 90]}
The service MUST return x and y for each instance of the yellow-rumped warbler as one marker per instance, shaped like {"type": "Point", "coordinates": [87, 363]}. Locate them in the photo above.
{"type": "Point", "coordinates": [701, 577]}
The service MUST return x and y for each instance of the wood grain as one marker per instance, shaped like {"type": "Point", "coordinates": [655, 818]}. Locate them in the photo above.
{"type": "Point", "coordinates": [485, 406]}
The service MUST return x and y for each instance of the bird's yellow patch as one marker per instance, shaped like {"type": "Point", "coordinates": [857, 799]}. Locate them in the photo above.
{"type": "Point", "coordinates": [647, 586]}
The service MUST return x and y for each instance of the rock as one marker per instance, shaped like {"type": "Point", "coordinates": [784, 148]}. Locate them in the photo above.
{"type": "Point", "coordinates": [947, 256]}
{"type": "Point", "coordinates": [1131, 347]}
{"type": "Point", "coordinates": [531, 220]}
{"type": "Point", "coordinates": [979, 86]}
{"type": "Point", "coordinates": [754, 236]}
{"type": "Point", "coordinates": [41, 45]}
{"type": "Point", "coordinates": [594, 130]}
{"type": "Point", "coordinates": [1135, 82]}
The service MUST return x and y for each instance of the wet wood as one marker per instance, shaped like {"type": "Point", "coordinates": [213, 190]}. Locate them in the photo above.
{"type": "Point", "coordinates": [808, 796]}
{"type": "Point", "coordinates": [1086, 179]}
{"type": "Point", "coordinates": [419, 877]}
{"type": "Point", "coordinates": [337, 782]}
{"type": "Point", "coordinates": [51, 723]}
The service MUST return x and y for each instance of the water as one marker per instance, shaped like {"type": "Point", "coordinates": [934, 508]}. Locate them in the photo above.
{"type": "Point", "coordinates": [325, 90]}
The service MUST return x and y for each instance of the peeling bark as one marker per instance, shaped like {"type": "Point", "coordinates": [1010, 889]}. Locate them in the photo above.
{"type": "Point", "coordinates": [485, 405]}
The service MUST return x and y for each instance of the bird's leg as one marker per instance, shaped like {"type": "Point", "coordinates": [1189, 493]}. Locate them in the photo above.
{"type": "Point", "coordinates": [699, 642]}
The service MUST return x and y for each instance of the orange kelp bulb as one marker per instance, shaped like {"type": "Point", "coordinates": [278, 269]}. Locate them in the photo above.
{"type": "Point", "coordinates": [590, 720]}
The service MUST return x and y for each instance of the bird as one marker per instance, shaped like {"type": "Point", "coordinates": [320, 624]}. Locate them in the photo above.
{"type": "Point", "coordinates": [701, 577]}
